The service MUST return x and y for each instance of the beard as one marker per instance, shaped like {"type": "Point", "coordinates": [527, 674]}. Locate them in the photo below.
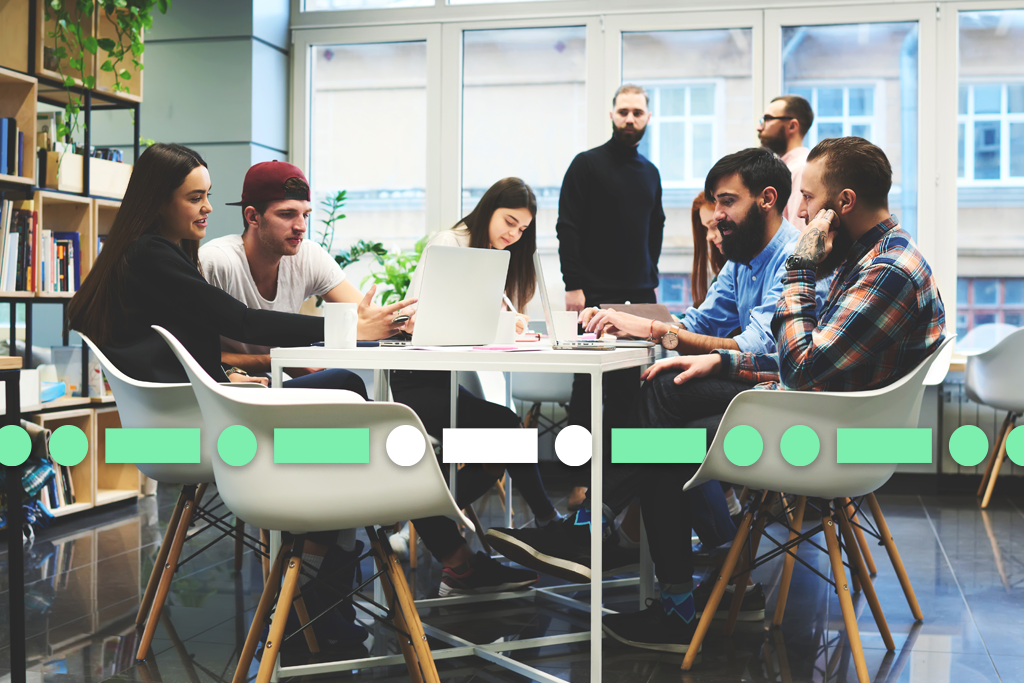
{"type": "Point", "coordinates": [628, 136]}
{"type": "Point", "coordinates": [841, 244]}
{"type": "Point", "coordinates": [776, 143]}
{"type": "Point", "coordinates": [746, 238]}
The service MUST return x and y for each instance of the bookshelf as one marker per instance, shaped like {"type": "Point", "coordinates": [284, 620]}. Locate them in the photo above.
{"type": "Point", "coordinates": [14, 49]}
{"type": "Point", "coordinates": [44, 45]}
{"type": "Point", "coordinates": [18, 94]}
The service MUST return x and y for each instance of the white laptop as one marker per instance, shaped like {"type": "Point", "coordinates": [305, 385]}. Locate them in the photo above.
{"type": "Point", "coordinates": [566, 336]}
{"type": "Point", "coordinates": [460, 296]}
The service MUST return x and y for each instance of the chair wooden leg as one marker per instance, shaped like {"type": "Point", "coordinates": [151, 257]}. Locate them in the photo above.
{"type": "Point", "coordinates": [303, 614]}
{"type": "Point", "coordinates": [718, 591]}
{"type": "Point", "coordinates": [265, 559]}
{"type": "Point", "coordinates": [845, 602]}
{"type": "Point", "coordinates": [239, 544]}
{"type": "Point", "coordinates": [200, 493]}
{"type": "Point", "coordinates": [272, 648]}
{"type": "Point", "coordinates": [499, 484]}
{"type": "Point", "coordinates": [992, 455]}
{"type": "Point", "coordinates": [270, 589]}
{"type": "Point", "coordinates": [170, 566]}
{"type": "Point", "coordinates": [862, 541]}
{"type": "Point", "coordinates": [744, 579]}
{"type": "Point", "coordinates": [412, 545]}
{"type": "Point", "coordinates": [418, 659]}
{"type": "Point", "coordinates": [894, 556]}
{"type": "Point", "coordinates": [744, 494]}
{"type": "Point", "coordinates": [858, 565]}
{"type": "Point", "coordinates": [471, 514]}
{"type": "Point", "coordinates": [790, 561]}
{"type": "Point", "coordinates": [161, 559]}
{"type": "Point", "coordinates": [996, 466]}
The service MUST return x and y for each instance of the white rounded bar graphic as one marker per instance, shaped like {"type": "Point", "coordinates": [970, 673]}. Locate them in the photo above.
{"type": "Point", "coordinates": [498, 446]}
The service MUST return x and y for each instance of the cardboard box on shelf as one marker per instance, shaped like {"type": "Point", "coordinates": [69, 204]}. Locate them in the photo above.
{"type": "Point", "coordinates": [29, 387]}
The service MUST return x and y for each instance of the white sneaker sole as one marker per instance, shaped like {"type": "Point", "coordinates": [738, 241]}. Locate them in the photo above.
{"type": "Point", "coordinates": [529, 557]}
{"type": "Point", "coordinates": [660, 647]}
{"type": "Point", "coordinates": [446, 589]}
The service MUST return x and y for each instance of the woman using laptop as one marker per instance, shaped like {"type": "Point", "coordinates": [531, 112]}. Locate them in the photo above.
{"type": "Point", "coordinates": [503, 219]}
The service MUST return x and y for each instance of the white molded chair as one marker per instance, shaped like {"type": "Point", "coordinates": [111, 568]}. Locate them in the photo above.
{"type": "Point", "coordinates": [302, 498]}
{"type": "Point", "coordinates": [995, 377]}
{"type": "Point", "coordinates": [772, 413]}
{"type": "Point", "coordinates": [984, 337]}
{"type": "Point", "coordinates": [167, 406]}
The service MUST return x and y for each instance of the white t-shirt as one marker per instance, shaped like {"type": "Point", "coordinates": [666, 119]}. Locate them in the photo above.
{"type": "Point", "coordinates": [312, 271]}
{"type": "Point", "coordinates": [458, 237]}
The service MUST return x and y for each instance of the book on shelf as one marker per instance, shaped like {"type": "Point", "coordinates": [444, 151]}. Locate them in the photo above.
{"type": "Point", "coordinates": [11, 147]}
{"type": "Point", "coordinates": [71, 267]}
{"type": "Point", "coordinates": [17, 246]}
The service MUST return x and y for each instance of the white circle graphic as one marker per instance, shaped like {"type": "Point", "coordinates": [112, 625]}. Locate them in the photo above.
{"type": "Point", "coordinates": [574, 445]}
{"type": "Point", "coordinates": [405, 445]}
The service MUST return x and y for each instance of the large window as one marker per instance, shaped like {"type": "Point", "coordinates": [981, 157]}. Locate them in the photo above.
{"type": "Point", "coordinates": [862, 79]}
{"type": "Point", "coordinates": [990, 135]}
{"type": "Point", "coordinates": [988, 300]}
{"type": "Point", "coordinates": [990, 165]}
{"type": "Point", "coordinates": [369, 138]}
{"type": "Point", "coordinates": [681, 136]}
{"type": "Point", "coordinates": [523, 113]}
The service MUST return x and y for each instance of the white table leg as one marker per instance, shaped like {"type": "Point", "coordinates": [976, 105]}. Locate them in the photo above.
{"type": "Point", "coordinates": [453, 468]}
{"type": "Point", "coordinates": [508, 476]}
{"type": "Point", "coordinates": [380, 385]}
{"type": "Point", "coordinates": [596, 517]}
{"type": "Point", "coordinates": [276, 374]}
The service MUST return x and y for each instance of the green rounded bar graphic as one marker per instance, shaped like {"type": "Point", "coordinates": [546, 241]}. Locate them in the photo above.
{"type": "Point", "coordinates": [1015, 446]}
{"type": "Point", "coordinates": [743, 446]}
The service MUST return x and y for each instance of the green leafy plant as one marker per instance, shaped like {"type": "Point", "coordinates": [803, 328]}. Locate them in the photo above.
{"type": "Point", "coordinates": [129, 18]}
{"type": "Point", "coordinates": [398, 267]}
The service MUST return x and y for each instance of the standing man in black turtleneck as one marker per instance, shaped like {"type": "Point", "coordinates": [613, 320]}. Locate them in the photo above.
{"type": "Point", "coordinates": [610, 226]}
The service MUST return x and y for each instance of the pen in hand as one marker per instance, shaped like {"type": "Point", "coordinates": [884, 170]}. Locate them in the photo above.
{"type": "Point", "coordinates": [508, 302]}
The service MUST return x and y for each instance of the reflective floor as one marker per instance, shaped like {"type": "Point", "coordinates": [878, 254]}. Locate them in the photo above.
{"type": "Point", "coordinates": [967, 566]}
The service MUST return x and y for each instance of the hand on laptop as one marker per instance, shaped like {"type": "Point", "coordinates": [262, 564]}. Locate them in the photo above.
{"type": "Point", "coordinates": [609, 321]}
{"type": "Point", "coordinates": [376, 322]}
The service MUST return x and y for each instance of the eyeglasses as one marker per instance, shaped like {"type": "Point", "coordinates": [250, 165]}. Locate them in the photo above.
{"type": "Point", "coordinates": [768, 118]}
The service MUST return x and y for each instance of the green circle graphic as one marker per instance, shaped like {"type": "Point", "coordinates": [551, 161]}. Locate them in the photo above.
{"type": "Point", "coordinates": [68, 445]}
{"type": "Point", "coordinates": [743, 445]}
{"type": "Point", "coordinates": [1015, 446]}
{"type": "Point", "coordinates": [800, 445]}
{"type": "Point", "coordinates": [237, 445]}
{"type": "Point", "coordinates": [968, 445]}
{"type": "Point", "coordinates": [15, 446]}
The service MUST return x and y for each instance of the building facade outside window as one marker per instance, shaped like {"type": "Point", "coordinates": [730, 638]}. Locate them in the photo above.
{"type": "Point", "coordinates": [988, 300]}
{"type": "Point", "coordinates": [990, 140]}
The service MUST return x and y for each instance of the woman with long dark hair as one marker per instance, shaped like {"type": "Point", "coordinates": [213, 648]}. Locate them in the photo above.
{"type": "Point", "coordinates": [149, 274]}
{"type": "Point", "coordinates": [707, 248]}
{"type": "Point", "coordinates": [504, 218]}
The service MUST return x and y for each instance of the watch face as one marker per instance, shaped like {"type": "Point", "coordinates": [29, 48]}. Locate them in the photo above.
{"type": "Point", "coordinates": [670, 340]}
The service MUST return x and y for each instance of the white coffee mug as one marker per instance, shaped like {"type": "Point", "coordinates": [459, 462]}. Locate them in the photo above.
{"type": "Point", "coordinates": [340, 322]}
{"type": "Point", "coordinates": [565, 324]}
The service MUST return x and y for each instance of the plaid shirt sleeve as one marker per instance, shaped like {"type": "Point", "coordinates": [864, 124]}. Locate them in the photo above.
{"type": "Point", "coordinates": [875, 312]}
{"type": "Point", "coordinates": [754, 368]}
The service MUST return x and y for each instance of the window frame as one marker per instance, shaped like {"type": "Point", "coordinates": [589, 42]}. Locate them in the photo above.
{"type": "Point", "coordinates": [876, 120]}
{"type": "Point", "coordinates": [1004, 117]}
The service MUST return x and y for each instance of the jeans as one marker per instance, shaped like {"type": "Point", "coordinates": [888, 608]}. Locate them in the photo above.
{"type": "Point", "coordinates": [668, 513]}
{"type": "Point", "coordinates": [429, 395]}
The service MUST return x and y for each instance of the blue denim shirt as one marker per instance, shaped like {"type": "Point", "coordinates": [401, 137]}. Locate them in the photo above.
{"type": "Point", "coordinates": [744, 296]}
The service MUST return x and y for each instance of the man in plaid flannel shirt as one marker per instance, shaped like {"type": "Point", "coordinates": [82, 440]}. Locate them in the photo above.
{"type": "Point", "coordinates": [882, 317]}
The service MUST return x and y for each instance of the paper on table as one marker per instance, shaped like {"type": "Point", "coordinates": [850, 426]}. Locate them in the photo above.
{"type": "Point", "coordinates": [506, 349]}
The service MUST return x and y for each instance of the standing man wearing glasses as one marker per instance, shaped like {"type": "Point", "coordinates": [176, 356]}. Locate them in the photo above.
{"type": "Point", "coordinates": [782, 129]}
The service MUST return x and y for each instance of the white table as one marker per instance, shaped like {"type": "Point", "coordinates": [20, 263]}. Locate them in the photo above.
{"type": "Point", "coordinates": [593, 363]}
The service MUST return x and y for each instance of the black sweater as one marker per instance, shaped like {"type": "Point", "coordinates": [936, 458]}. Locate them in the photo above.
{"type": "Point", "coordinates": [162, 287]}
{"type": "Point", "coordinates": [610, 221]}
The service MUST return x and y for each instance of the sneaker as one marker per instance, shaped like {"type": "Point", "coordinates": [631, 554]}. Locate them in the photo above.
{"type": "Point", "coordinates": [751, 609]}
{"type": "Point", "coordinates": [563, 550]}
{"type": "Point", "coordinates": [400, 543]}
{"type": "Point", "coordinates": [651, 629]}
{"type": "Point", "coordinates": [484, 575]}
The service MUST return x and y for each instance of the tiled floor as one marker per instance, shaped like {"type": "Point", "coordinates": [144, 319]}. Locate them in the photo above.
{"type": "Point", "coordinates": [967, 567]}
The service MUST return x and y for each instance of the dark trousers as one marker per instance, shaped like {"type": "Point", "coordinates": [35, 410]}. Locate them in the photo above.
{"type": "Point", "coordinates": [620, 387]}
{"type": "Point", "coordinates": [667, 511]}
{"type": "Point", "coordinates": [328, 379]}
{"type": "Point", "coordinates": [429, 395]}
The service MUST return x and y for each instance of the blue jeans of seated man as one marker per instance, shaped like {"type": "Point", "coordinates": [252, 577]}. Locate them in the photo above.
{"type": "Point", "coordinates": [332, 378]}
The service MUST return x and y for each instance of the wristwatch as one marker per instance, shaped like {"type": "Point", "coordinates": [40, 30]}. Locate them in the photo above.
{"type": "Point", "coordinates": [670, 339]}
{"type": "Point", "coordinates": [795, 262]}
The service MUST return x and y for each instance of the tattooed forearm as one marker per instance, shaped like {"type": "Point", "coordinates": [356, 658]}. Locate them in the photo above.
{"type": "Point", "coordinates": [811, 246]}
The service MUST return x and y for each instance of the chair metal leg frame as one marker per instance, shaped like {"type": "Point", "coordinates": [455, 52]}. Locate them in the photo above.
{"type": "Point", "coordinates": [997, 465]}
{"type": "Point", "coordinates": [995, 450]}
{"type": "Point", "coordinates": [239, 543]}
{"type": "Point", "coordinates": [894, 556]}
{"type": "Point", "coordinates": [865, 549]}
